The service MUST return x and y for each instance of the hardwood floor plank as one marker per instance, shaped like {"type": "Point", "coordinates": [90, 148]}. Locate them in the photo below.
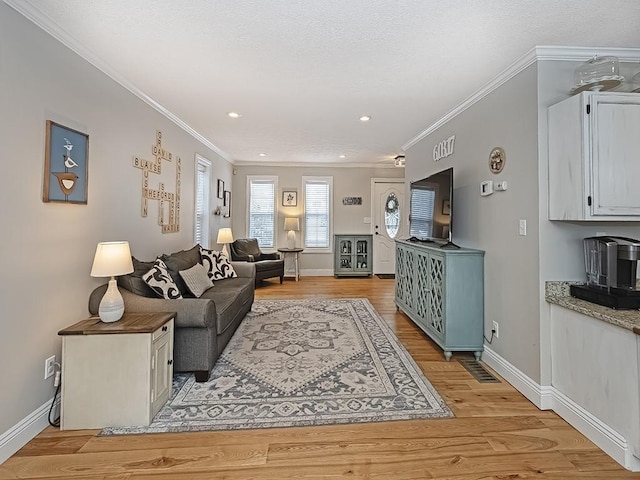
{"type": "Point", "coordinates": [497, 433]}
{"type": "Point", "coordinates": [177, 460]}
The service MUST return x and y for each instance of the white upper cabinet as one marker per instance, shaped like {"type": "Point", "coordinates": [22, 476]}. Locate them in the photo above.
{"type": "Point", "coordinates": [594, 157]}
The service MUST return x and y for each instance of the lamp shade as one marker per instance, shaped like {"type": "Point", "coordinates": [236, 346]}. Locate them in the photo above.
{"type": "Point", "coordinates": [225, 235]}
{"type": "Point", "coordinates": [291, 223]}
{"type": "Point", "coordinates": [112, 259]}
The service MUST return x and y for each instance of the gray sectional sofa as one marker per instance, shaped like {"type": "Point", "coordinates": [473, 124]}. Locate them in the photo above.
{"type": "Point", "coordinates": [204, 325]}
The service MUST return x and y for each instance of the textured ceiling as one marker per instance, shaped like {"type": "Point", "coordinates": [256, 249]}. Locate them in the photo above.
{"type": "Point", "coordinates": [301, 73]}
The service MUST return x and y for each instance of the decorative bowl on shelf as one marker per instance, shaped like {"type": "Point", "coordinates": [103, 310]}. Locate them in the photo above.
{"type": "Point", "coordinates": [597, 74]}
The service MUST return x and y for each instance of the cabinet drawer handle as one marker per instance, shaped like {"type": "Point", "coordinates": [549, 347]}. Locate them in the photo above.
{"type": "Point", "coordinates": [170, 362]}
{"type": "Point", "coordinates": [164, 328]}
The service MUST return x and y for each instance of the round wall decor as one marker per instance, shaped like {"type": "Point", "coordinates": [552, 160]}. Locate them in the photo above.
{"type": "Point", "coordinates": [497, 159]}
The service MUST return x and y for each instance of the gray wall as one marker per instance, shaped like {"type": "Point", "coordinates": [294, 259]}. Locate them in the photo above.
{"type": "Point", "coordinates": [561, 254]}
{"type": "Point", "coordinates": [47, 249]}
{"type": "Point", "coordinates": [347, 182]}
{"type": "Point", "coordinates": [507, 117]}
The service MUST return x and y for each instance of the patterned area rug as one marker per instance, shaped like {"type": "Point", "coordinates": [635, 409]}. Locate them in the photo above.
{"type": "Point", "coordinates": [302, 362]}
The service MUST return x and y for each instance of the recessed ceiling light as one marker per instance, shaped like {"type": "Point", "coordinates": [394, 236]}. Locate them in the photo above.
{"type": "Point", "coordinates": [262, 154]}
{"type": "Point", "coordinates": [234, 115]}
{"type": "Point", "coordinates": [343, 156]}
{"type": "Point", "coordinates": [365, 118]}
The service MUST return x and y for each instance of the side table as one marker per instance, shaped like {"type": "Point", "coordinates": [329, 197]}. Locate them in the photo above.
{"type": "Point", "coordinates": [116, 374]}
{"type": "Point", "coordinates": [296, 254]}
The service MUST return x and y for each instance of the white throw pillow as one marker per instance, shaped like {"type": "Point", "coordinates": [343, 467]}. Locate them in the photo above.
{"type": "Point", "coordinates": [160, 281]}
{"type": "Point", "coordinates": [217, 264]}
{"type": "Point", "coordinates": [196, 279]}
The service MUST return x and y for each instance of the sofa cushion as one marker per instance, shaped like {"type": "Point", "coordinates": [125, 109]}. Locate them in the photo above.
{"type": "Point", "coordinates": [134, 282]}
{"type": "Point", "coordinates": [217, 264]}
{"type": "Point", "coordinates": [182, 260]}
{"type": "Point", "coordinates": [196, 279]}
{"type": "Point", "coordinates": [229, 296]}
{"type": "Point", "coordinates": [161, 282]}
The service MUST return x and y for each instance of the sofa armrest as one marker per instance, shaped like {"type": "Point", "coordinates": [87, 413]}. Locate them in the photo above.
{"type": "Point", "coordinates": [245, 269]}
{"type": "Point", "coordinates": [270, 256]}
{"type": "Point", "coordinates": [190, 312]}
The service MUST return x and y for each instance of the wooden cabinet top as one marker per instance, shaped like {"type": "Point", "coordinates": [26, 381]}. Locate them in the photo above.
{"type": "Point", "coordinates": [129, 323]}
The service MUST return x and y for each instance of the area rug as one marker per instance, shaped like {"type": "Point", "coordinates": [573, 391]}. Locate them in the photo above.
{"type": "Point", "coordinates": [302, 362]}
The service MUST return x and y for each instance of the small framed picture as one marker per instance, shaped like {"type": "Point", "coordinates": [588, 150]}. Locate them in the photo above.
{"type": "Point", "coordinates": [289, 198]}
{"type": "Point", "coordinates": [446, 207]}
{"type": "Point", "coordinates": [220, 188]}
{"type": "Point", "coordinates": [66, 165]}
{"type": "Point", "coordinates": [227, 204]}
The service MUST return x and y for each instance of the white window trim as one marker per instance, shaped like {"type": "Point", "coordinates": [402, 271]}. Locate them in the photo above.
{"type": "Point", "coordinates": [329, 180]}
{"type": "Point", "coordinates": [201, 161]}
{"type": "Point", "coordinates": [274, 179]}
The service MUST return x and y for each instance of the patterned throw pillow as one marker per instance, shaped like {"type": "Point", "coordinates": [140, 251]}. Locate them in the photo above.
{"type": "Point", "coordinates": [160, 281]}
{"type": "Point", "coordinates": [197, 279]}
{"type": "Point", "coordinates": [217, 264]}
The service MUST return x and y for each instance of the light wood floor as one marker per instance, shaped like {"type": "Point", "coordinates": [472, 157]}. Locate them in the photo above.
{"type": "Point", "coordinates": [496, 434]}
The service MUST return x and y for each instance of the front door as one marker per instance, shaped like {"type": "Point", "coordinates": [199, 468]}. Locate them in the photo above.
{"type": "Point", "coordinates": [388, 210]}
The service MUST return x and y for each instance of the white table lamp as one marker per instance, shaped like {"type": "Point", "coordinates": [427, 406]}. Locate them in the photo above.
{"type": "Point", "coordinates": [225, 236]}
{"type": "Point", "coordinates": [291, 225]}
{"type": "Point", "coordinates": [111, 259]}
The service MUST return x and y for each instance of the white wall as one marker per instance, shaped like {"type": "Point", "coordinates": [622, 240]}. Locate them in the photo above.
{"type": "Point", "coordinates": [347, 182]}
{"type": "Point", "coordinates": [47, 249]}
{"type": "Point", "coordinates": [506, 117]}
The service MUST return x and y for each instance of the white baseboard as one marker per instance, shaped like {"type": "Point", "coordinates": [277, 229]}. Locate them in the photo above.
{"type": "Point", "coordinates": [22, 432]}
{"type": "Point", "coordinates": [518, 379]}
{"type": "Point", "coordinates": [316, 272]}
{"type": "Point", "coordinates": [548, 398]}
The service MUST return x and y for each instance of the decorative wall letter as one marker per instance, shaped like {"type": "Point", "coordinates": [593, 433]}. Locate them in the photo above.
{"type": "Point", "coordinates": [172, 225]}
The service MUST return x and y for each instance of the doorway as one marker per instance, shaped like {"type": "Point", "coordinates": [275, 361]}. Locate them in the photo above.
{"type": "Point", "coordinates": [388, 209]}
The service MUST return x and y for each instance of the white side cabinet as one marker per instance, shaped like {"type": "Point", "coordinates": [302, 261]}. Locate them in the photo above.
{"type": "Point", "coordinates": [594, 157]}
{"type": "Point", "coordinates": [116, 374]}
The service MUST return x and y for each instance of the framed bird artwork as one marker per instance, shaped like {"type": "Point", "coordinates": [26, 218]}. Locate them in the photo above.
{"type": "Point", "coordinates": [66, 165]}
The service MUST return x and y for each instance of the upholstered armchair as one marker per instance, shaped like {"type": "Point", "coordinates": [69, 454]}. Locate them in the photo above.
{"type": "Point", "coordinates": [268, 265]}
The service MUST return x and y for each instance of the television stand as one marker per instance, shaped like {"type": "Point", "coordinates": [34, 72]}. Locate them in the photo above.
{"type": "Point", "coordinates": [449, 245]}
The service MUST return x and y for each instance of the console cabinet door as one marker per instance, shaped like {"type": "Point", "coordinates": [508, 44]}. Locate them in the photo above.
{"type": "Point", "coordinates": [593, 157]}
{"type": "Point", "coordinates": [161, 368]}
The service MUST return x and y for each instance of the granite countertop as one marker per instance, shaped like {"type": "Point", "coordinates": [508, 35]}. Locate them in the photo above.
{"type": "Point", "coordinates": [558, 293]}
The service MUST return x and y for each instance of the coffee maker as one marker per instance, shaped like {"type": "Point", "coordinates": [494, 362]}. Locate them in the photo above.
{"type": "Point", "coordinates": [611, 266]}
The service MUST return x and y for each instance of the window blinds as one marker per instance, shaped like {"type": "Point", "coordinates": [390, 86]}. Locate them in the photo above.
{"type": "Point", "coordinates": [262, 207]}
{"type": "Point", "coordinates": [201, 224]}
{"type": "Point", "coordinates": [316, 214]}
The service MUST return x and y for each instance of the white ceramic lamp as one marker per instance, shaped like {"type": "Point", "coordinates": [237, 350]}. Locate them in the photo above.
{"type": "Point", "coordinates": [291, 225]}
{"type": "Point", "coordinates": [225, 236]}
{"type": "Point", "coordinates": [111, 259]}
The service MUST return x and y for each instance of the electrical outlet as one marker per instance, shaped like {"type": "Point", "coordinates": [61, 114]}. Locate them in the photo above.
{"type": "Point", "coordinates": [49, 367]}
{"type": "Point", "coordinates": [495, 329]}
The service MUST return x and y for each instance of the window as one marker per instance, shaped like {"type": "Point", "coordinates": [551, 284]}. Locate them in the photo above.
{"type": "Point", "coordinates": [201, 208]}
{"type": "Point", "coordinates": [422, 208]}
{"type": "Point", "coordinates": [262, 210]}
{"type": "Point", "coordinates": [317, 213]}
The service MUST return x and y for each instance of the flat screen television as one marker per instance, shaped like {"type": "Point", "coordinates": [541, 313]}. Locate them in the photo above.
{"type": "Point", "coordinates": [431, 207]}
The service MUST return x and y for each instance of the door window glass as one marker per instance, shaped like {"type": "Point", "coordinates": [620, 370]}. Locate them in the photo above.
{"type": "Point", "coordinates": [392, 215]}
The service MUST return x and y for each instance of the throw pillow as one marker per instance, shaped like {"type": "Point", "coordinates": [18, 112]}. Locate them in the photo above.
{"type": "Point", "coordinates": [182, 260]}
{"type": "Point", "coordinates": [217, 264]}
{"type": "Point", "coordinates": [134, 282]}
{"type": "Point", "coordinates": [160, 281]}
{"type": "Point", "coordinates": [196, 279]}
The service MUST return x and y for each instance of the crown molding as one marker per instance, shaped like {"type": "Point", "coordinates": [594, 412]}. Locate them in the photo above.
{"type": "Point", "coordinates": [28, 9]}
{"type": "Point", "coordinates": [545, 52]}
{"type": "Point", "coordinates": [238, 163]}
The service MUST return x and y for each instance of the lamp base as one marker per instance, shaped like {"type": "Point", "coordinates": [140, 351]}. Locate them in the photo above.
{"type": "Point", "coordinates": [111, 306]}
{"type": "Point", "coordinates": [291, 240]}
